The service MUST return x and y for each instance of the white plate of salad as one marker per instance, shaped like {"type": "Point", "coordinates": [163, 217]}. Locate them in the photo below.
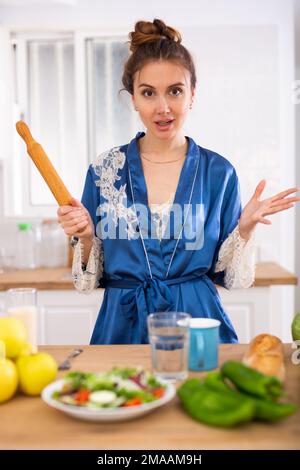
{"type": "Point", "coordinates": [116, 395]}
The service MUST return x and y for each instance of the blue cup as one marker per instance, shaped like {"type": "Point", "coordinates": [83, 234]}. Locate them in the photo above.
{"type": "Point", "coordinates": [204, 343]}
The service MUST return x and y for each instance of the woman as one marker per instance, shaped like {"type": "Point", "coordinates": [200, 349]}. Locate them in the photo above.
{"type": "Point", "coordinates": [160, 222]}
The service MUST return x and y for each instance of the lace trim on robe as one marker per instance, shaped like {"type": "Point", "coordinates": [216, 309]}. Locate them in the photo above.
{"type": "Point", "coordinates": [237, 258]}
{"type": "Point", "coordinates": [86, 278]}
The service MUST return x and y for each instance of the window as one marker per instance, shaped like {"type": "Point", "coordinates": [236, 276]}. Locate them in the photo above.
{"type": "Point", "coordinates": [67, 90]}
{"type": "Point", "coordinates": [45, 99]}
{"type": "Point", "coordinates": [51, 108]}
{"type": "Point", "coordinates": [111, 119]}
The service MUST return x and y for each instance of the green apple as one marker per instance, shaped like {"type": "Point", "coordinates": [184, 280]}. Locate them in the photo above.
{"type": "Point", "coordinates": [35, 372]}
{"type": "Point", "coordinates": [296, 327]}
{"type": "Point", "coordinates": [14, 335]}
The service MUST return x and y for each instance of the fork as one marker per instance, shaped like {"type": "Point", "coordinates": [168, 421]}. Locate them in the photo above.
{"type": "Point", "coordinates": [66, 364]}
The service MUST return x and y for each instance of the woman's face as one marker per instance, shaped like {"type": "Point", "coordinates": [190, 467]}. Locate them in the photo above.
{"type": "Point", "coordinates": [162, 95]}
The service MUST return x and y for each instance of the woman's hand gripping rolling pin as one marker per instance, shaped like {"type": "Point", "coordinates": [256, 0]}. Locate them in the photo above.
{"type": "Point", "coordinates": [76, 221]}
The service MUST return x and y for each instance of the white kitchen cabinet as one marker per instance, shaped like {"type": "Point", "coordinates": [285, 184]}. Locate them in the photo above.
{"type": "Point", "coordinates": [249, 311]}
{"type": "Point", "coordinates": [67, 317]}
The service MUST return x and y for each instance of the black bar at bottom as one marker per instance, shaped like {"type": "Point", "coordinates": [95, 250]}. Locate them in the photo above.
{"type": "Point", "coordinates": [136, 459]}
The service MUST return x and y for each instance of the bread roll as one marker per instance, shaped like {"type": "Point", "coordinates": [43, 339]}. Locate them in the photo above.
{"type": "Point", "coordinates": [265, 354]}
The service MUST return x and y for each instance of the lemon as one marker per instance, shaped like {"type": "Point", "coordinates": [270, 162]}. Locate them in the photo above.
{"type": "Point", "coordinates": [26, 350]}
{"type": "Point", "coordinates": [14, 335]}
{"type": "Point", "coordinates": [35, 372]}
{"type": "Point", "coordinates": [2, 349]}
{"type": "Point", "coordinates": [8, 376]}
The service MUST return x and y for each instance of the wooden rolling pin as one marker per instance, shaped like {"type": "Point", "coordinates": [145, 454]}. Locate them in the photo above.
{"type": "Point", "coordinates": [44, 165]}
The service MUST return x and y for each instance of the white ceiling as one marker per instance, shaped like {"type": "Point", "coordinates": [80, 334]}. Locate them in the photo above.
{"type": "Point", "coordinates": [31, 3]}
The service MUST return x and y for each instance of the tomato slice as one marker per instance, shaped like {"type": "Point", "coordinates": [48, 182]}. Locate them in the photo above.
{"type": "Point", "coordinates": [158, 392]}
{"type": "Point", "coordinates": [133, 402]}
{"type": "Point", "coordinates": [82, 396]}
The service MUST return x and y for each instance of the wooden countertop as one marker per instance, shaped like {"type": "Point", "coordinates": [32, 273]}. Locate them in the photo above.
{"type": "Point", "coordinates": [267, 274]}
{"type": "Point", "coordinates": [28, 423]}
{"type": "Point", "coordinates": [42, 279]}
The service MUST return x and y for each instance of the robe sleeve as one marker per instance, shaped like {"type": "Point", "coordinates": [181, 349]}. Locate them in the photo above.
{"type": "Point", "coordinates": [237, 258]}
{"type": "Point", "coordinates": [86, 278]}
{"type": "Point", "coordinates": [230, 213]}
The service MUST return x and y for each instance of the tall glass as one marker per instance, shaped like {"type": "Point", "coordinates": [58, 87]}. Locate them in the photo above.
{"type": "Point", "coordinates": [169, 340]}
{"type": "Point", "coordinates": [21, 303]}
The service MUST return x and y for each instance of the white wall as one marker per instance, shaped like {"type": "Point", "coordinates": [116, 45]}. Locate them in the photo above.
{"type": "Point", "coordinates": [100, 13]}
{"type": "Point", "coordinates": [297, 145]}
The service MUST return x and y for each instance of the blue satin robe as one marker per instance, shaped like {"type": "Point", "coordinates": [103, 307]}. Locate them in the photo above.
{"type": "Point", "coordinates": [143, 275]}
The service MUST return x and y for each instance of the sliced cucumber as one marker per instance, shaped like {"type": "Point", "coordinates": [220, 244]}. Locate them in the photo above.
{"type": "Point", "coordinates": [118, 402]}
{"type": "Point", "coordinates": [67, 400]}
{"type": "Point", "coordinates": [102, 397]}
{"type": "Point", "coordinates": [128, 385]}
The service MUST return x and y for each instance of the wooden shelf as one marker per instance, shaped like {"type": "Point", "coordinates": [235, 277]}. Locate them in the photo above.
{"type": "Point", "coordinates": [269, 274]}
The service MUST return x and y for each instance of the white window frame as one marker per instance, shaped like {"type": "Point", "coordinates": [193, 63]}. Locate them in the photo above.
{"type": "Point", "coordinates": [109, 40]}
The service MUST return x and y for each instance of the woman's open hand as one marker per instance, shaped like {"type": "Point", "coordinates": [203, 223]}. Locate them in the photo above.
{"type": "Point", "coordinates": [76, 220]}
{"type": "Point", "coordinates": [256, 210]}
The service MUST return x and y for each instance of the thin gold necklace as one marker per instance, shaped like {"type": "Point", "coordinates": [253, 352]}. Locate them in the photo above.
{"type": "Point", "coordinates": [169, 161]}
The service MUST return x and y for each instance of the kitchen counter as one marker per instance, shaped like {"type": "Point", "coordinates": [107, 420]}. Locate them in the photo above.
{"type": "Point", "coordinates": [42, 279]}
{"type": "Point", "coordinates": [267, 274]}
{"type": "Point", "coordinates": [28, 423]}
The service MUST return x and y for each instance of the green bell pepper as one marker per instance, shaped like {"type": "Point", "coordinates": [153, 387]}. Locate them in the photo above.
{"type": "Point", "coordinates": [251, 381]}
{"type": "Point", "coordinates": [265, 410]}
{"type": "Point", "coordinates": [212, 407]}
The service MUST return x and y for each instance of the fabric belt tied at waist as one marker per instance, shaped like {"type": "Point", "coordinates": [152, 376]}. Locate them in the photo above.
{"type": "Point", "coordinates": [149, 296]}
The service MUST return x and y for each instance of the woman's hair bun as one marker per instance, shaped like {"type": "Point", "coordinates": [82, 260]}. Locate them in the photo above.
{"type": "Point", "coordinates": [155, 41]}
{"type": "Point", "coordinates": [146, 31]}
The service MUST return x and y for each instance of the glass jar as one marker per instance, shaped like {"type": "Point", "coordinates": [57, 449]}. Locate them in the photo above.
{"type": "Point", "coordinates": [53, 245]}
{"type": "Point", "coordinates": [21, 303]}
{"type": "Point", "coordinates": [26, 247]}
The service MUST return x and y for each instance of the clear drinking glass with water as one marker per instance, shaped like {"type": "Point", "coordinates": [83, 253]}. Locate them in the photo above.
{"type": "Point", "coordinates": [169, 340]}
